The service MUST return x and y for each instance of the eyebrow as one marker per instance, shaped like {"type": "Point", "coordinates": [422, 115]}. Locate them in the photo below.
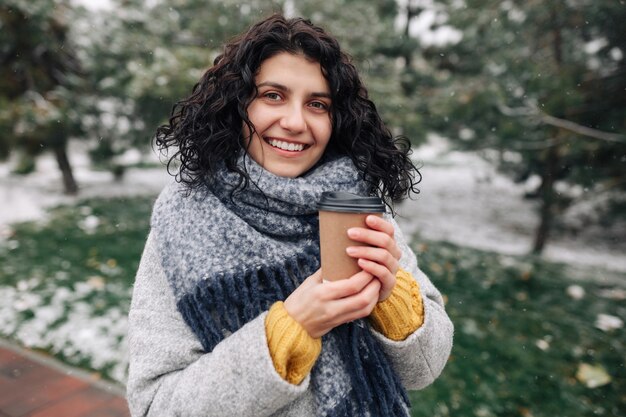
{"type": "Point", "coordinates": [288, 90]}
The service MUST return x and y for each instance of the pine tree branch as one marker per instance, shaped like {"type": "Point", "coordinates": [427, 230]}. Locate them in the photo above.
{"type": "Point", "coordinates": [582, 130]}
{"type": "Point", "coordinates": [533, 112]}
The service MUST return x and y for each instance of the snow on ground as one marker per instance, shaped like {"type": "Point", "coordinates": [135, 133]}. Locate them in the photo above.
{"type": "Point", "coordinates": [29, 196]}
{"type": "Point", "coordinates": [463, 200]}
{"type": "Point", "coordinates": [85, 334]}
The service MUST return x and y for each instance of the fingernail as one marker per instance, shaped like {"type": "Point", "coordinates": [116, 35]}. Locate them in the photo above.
{"type": "Point", "coordinates": [351, 250]}
{"type": "Point", "coordinates": [353, 232]}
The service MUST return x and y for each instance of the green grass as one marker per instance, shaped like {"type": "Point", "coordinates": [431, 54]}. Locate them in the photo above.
{"type": "Point", "coordinates": [65, 287]}
{"type": "Point", "coordinates": [504, 309]}
{"type": "Point", "coordinates": [62, 247]}
{"type": "Point", "coordinates": [519, 338]}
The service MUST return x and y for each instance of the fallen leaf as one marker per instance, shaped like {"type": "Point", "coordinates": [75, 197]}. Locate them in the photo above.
{"type": "Point", "coordinates": [575, 291]}
{"type": "Point", "coordinates": [96, 282]}
{"type": "Point", "coordinates": [606, 322]}
{"type": "Point", "coordinates": [542, 344]}
{"type": "Point", "coordinates": [95, 376]}
{"type": "Point", "coordinates": [525, 412]}
{"type": "Point", "coordinates": [470, 327]}
{"type": "Point", "coordinates": [593, 376]}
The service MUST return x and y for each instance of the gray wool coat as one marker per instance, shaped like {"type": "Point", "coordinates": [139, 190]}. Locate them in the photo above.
{"type": "Point", "coordinates": [171, 375]}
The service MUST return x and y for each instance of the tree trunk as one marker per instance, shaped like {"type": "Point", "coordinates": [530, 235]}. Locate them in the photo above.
{"type": "Point", "coordinates": [549, 172]}
{"type": "Point", "coordinates": [407, 54]}
{"type": "Point", "coordinates": [69, 183]}
{"type": "Point", "coordinates": [548, 199]}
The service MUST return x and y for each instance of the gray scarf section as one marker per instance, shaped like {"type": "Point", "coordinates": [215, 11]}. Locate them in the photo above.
{"type": "Point", "coordinates": [229, 257]}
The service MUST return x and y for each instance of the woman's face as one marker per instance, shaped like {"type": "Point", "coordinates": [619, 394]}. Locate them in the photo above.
{"type": "Point", "coordinates": [291, 115]}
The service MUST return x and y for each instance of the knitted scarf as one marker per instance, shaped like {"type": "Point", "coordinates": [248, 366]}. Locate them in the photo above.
{"type": "Point", "coordinates": [228, 260]}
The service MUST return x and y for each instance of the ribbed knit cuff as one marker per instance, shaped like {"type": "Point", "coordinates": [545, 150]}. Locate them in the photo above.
{"type": "Point", "coordinates": [293, 350]}
{"type": "Point", "coordinates": [402, 312]}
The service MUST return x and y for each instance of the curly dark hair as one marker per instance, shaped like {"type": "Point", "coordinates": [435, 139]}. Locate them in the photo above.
{"type": "Point", "coordinates": [206, 128]}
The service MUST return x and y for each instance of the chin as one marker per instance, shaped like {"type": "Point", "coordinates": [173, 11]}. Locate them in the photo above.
{"type": "Point", "coordinates": [288, 171]}
{"type": "Point", "coordinates": [285, 173]}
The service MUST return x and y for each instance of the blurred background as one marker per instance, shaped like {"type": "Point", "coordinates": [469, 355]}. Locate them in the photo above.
{"type": "Point", "coordinates": [517, 115]}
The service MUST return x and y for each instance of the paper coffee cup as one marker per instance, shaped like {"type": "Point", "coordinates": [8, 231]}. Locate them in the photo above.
{"type": "Point", "coordinates": [338, 212]}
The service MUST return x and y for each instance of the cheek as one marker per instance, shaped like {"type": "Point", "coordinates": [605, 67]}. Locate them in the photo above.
{"type": "Point", "coordinates": [328, 131]}
{"type": "Point", "coordinates": [323, 129]}
{"type": "Point", "coordinates": [255, 115]}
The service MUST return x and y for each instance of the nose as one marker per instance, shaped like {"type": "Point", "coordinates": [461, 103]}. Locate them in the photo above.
{"type": "Point", "coordinates": [293, 120]}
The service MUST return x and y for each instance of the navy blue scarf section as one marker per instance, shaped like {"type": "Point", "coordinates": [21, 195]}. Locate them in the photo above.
{"type": "Point", "coordinates": [229, 259]}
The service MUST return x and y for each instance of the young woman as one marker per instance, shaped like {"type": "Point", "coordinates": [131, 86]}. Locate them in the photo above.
{"type": "Point", "coordinates": [230, 315]}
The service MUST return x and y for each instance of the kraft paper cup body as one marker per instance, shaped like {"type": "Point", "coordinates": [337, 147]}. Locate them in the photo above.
{"type": "Point", "coordinates": [334, 223]}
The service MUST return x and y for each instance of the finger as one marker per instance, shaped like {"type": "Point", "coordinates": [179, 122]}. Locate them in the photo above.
{"type": "Point", "coordinates": [372, 291]}
{"type": "Point", "coordinates": [375, 238]}
{"type": "Point", "coordinates": [385, 226]}
{"type": "Point", "coordinates": [377, 270]}
{"type": "Point", "coordinates": [347, 287]}
{"type": "Point", "coordinates": [359, 305]}
{"type": "Point", "coordinates": [387, 278]}
{"type": "Point", "coordinates": [379, 255]}
{"type": "Point", "coordinates": [380, 224]}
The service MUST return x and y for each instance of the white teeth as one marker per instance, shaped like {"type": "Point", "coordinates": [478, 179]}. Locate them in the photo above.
{"type": "Point", "coordinates": [286, 146]}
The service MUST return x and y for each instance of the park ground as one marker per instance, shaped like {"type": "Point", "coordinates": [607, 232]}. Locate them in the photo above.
{"type": "Point", "coordinates": [535, 336]}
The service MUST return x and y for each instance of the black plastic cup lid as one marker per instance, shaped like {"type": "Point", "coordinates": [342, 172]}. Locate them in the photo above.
{"type": "Point", "coordinates": [349, 203]}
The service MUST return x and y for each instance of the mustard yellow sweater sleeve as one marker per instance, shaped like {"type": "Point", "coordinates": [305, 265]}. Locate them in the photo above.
{"type": "Point", "coordinates": [402, 312]}
{"type": "Point", "coordinates": [294, 352]}
{"type": "Point", "coordinates": [292, 349]}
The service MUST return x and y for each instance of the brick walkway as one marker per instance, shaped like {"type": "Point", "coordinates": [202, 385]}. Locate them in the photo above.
{"type": "Point", "coordinates": [33, 386]}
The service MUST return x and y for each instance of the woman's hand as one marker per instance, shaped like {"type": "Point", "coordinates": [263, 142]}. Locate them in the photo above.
{"type": "Point", "coordinates": [320, 306]}
{"type": "Point", "coordinates": [381, 257]}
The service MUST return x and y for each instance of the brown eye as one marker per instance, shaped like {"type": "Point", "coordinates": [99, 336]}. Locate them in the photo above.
{"type": "Point", "coordinates": [319, 105]}
{"type": "Point", "coordinates": [272, 96]}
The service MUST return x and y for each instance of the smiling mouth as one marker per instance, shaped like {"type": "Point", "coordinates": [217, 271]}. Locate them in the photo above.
{"type": "Point", "coordinates": [286, 146]}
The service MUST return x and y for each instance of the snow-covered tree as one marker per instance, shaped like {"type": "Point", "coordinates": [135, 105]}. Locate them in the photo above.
{"type": "Point", "coordinates": [544, 84]}
{"type": "Point", "coordinates": [39, 80]}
